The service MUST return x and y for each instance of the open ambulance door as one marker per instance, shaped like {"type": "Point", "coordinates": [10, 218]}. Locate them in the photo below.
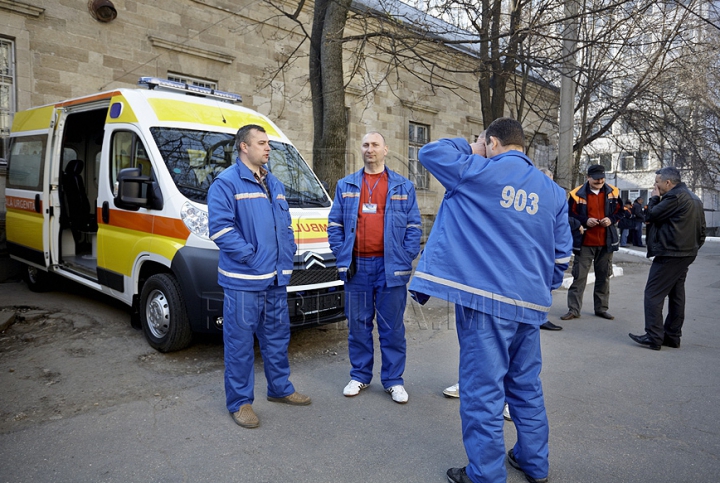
{"type": "Point", "coordinates": [29, 203]}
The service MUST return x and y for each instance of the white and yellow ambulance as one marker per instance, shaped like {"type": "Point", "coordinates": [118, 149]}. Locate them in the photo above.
{"type": "Point", "coordinates": [109, 191]}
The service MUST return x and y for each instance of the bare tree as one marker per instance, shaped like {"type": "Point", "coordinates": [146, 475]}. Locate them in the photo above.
{"type": "Point", "coordinates": [626, 52]}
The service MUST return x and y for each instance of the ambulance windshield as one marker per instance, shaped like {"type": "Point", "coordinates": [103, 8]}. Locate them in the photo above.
{"type": "Point", "coordinates": [195, 158]}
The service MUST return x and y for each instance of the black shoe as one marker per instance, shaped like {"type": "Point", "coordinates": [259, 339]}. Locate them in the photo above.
{"type": "Point", "coordinates": [645, 340]}
{"type": "Point", "coordinates": [604, 315]}
{"type": "Point", "coordinates": [569, 316]}
{"type": "Point", "coordinates": [668, 342]}
{"type": "Point", "coordinates": [550, 326]}
{"type": "Point", "coordinates": [513, 462]}
{"type": "Point", "coordinates": [458, 475]}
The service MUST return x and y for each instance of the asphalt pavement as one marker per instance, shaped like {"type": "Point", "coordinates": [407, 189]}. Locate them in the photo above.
{"type": "Point", "coordinates": [618, 412]}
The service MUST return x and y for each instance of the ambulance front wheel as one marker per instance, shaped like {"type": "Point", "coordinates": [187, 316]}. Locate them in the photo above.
{"type": "Point", "coordinates": [37, 280]}
{"type": "Point", "coordinates": [162, 314]}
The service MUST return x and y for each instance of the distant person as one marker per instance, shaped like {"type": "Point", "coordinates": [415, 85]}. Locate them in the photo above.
{"type": "Point", "coordinates": [597, 206]}
{"type": "Point", "coordinates": [500, 244]}
{"type": "Point", "coordinates": [250, 223]}
{"type": "Point", "coordinates": [626, 223]}
{"type": "Point", "coordinates": [638, 220]}
{"type": "Point", "coordinates": [374, 230]}
{"type": "Point", "coordinates": [676, 231]}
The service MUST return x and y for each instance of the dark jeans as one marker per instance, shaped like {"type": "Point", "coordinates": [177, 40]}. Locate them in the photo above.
{"type": "Point", "coordinates": [601, 258]}
{"type": "Point", "coordinates": [666, 279]}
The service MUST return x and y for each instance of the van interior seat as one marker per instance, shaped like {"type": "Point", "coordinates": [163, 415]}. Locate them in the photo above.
{"type": "Point", "coordinates": [77, 206]}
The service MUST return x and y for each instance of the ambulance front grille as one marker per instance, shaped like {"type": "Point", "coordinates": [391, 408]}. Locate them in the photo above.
{"type": "Point", "coordinates": [313, 275]}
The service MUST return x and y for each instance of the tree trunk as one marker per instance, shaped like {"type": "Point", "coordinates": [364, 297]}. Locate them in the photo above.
{"type": "Point", "coordinates": [328, 90]}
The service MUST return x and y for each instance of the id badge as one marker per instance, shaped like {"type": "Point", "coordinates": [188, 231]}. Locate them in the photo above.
{"type": "Point", "coordinates": [370, 208]}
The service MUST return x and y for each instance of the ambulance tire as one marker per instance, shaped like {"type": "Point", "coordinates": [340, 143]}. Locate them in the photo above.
{"type": "Point", "coordinates": [37, 280]}
{"type": "Point", "coordinates": [163, 316]}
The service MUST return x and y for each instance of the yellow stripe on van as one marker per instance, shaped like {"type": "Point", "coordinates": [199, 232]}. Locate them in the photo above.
{"type": "Point", "coordinates": [25, 228]}
{"type": "Point", "coordinates": [310, 230]}
{"type": "Point", "coordinates": [183, 111]}
{"type": "Point", "coordinates": [33, 119]}
{"type": "Point", "coordinates": [120, 247]}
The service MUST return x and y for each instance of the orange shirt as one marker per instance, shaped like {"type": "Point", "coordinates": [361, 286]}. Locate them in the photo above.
{"type": "Point", "coordinates": [369, 239]}
{"type": "Point", "coordinates": [595, 236]}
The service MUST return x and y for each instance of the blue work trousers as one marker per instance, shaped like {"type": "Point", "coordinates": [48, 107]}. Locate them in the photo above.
{"type": "Point", "coordinates": [263, 314]}
{"type": "Point", "coordinates": [368, 297]}
{"type": "Point", "coordinates": [500, 361]}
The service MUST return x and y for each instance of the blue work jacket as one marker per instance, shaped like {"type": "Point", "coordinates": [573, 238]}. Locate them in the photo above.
{"type": "Point", "coordinates": [402, 226]}
{"type": "Point", "coordinates": [501, 240]}
{"type": "Point", "coordinates": [254, 232]}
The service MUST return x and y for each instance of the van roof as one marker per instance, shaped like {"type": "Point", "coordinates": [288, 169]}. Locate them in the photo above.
{"type": "Point", "coordinates": [152, 108]}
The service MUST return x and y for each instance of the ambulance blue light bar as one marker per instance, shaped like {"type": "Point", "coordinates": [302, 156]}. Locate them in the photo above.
{"type": "Point", "coordinates": [166, 84]}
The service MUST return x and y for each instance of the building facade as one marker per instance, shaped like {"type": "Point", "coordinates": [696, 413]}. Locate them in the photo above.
{"type": "Point", "coordinates": [53, 50]}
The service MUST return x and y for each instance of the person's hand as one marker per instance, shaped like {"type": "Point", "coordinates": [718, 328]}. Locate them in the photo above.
{"type": "Point", "coordinates": [592, 222]}
{"type": "Point", "coordinates": [582, 230]}
{"type": "Point", "coordinates": [479, 148]}
{"type": "Point", "coordinates": [605, 222]}
{"type": "Point", "coordinates": [655, 191]}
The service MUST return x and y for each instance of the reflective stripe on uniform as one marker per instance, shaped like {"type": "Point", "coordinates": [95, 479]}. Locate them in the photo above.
{"type": "Point", "coordinates": [250, 196]}
{"type": "Point", "coordinates": [221, 233]}
{"type": "Point", "coordinates": [562, 260]}
{"type": "Point", "coordinates": [247, 277]}
{"type": "Point", "coordinates": [482, 293]}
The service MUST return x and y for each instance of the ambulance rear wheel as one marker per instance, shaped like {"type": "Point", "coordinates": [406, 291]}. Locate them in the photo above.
{"type": "Point", "coordinates": [37, 280]}
{"type": "Point", "coordinates": [162, 314]}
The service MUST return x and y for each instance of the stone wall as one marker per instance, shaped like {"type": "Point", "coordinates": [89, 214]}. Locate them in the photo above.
{"type": "Point", "coordinates": [63, 52]}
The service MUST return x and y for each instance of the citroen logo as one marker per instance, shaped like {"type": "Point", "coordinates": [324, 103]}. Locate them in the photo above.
{"type": "Point", "coordinates": [311, 258]}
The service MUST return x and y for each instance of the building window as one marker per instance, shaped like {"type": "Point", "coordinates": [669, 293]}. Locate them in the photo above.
{"type": "Point", "coordinates": [7, 93]}
{"type": "Point", "coordinates": [634, 161]}
{"type": "Point", "coordinates": [192, 81]}
{"type": "Point", "coordinates": [605, 159]}
{"type": "Point", "coordinates": [419, 135]}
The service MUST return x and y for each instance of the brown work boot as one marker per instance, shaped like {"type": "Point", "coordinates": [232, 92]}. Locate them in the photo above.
{"type": "Point", "coordinates": [569, 316]}
{"type": "Point", "coordinates": [245, 417]}
{"type": "Point", "coordinates": [294, 399]}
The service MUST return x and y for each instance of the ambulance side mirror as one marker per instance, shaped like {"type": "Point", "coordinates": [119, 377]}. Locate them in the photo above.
{"type": "Point", "coordinates": [136, 191]}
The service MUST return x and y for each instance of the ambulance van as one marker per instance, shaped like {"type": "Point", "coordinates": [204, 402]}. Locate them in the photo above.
{"type": "Point", "coordinates": [109, 191]}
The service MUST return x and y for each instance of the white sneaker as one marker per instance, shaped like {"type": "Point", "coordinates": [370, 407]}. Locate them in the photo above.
{"type": "Point", "coordinates": [398, 394]}
{"type": "Point", "coordinates": [452, 391]}
{"type": "Point", "coordinates": [353, 388]}
{"type": "Point", "coordinates": [506, 413]}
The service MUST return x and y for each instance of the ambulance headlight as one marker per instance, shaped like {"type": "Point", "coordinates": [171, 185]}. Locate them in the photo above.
{"type": "Point", "coordinates": [196, 220]}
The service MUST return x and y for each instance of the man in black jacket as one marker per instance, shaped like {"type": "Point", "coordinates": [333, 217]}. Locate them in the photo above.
{"type": "Point", "coordinates": [676, 233]}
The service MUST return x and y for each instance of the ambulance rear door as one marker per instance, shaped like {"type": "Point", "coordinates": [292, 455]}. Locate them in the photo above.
{"type": "Point", "coordinates": [28, 190]}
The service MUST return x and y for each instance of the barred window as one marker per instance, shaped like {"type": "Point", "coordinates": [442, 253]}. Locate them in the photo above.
{"type": "Point", "coordinates": [419, 135]}
{"type": "Point", "coordinates": [7, 93]}
{"type": "Point", "coordinates": [192, 81]}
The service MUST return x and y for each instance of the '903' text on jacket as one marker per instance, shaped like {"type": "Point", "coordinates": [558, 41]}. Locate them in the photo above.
{"type": "Point", "coordinates": [501, 241]}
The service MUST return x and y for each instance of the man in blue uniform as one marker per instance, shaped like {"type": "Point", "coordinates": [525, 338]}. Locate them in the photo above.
{"type": "Point", "coordinates": [500, 244]}
{"type": "Point", "coordinates": [374, 231]}
{"type": "Point", "coordinates": [250, 223]}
